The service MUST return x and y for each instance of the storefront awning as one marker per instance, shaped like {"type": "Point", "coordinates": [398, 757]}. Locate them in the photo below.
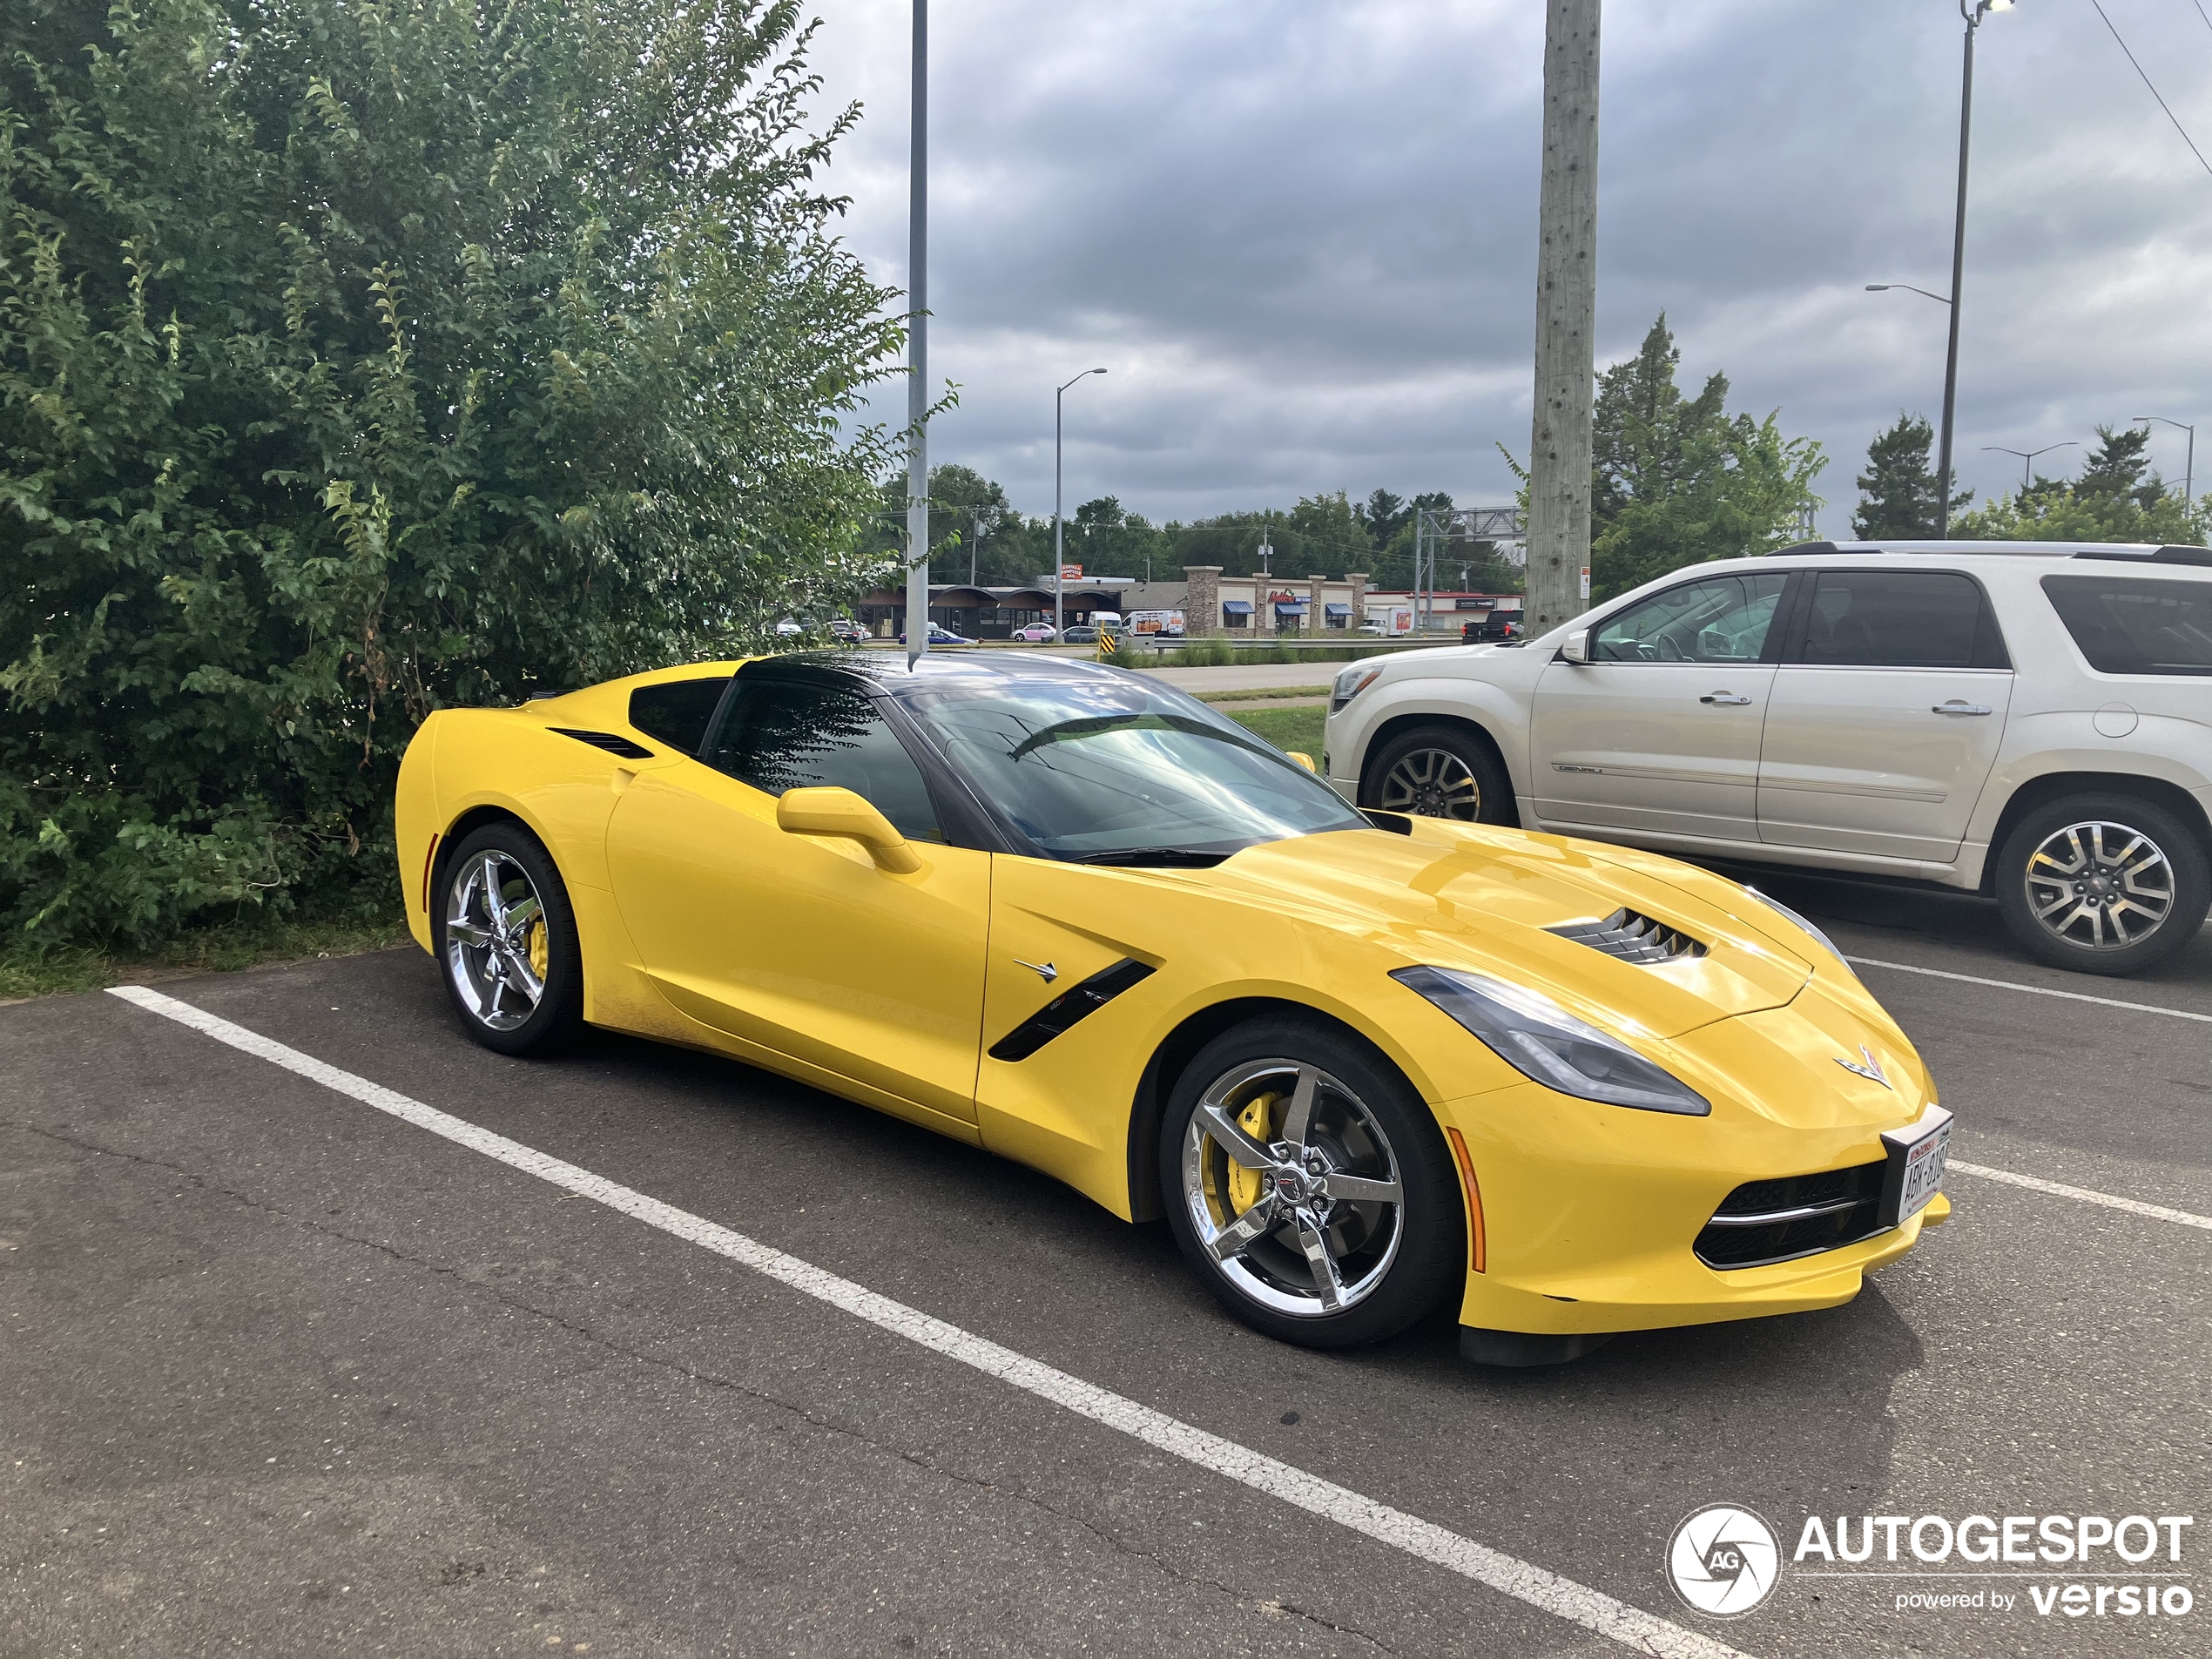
{"type": "Point", "coordinates": [1290, 608]}
{"type": "Point", "coordinates": [1237, 607]}
{"type": "Point", "coordinates": [1337, 611]}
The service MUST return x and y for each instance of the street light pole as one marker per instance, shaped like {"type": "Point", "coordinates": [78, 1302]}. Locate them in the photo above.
{"type": "Point", "coordinates": [917, 348]}
{"type": "Point", "coordinates": [2027, 456]}
{"type": "Point", "coordinates": [2189, 466]}
{"type": "Point", "coordinates": [1059, 558]}
{"type": "Point", "coordinates": [1973, 11]}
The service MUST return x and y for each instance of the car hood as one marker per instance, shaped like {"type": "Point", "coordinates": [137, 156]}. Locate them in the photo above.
{"type": "Point", "coordinates": [1488, 901]}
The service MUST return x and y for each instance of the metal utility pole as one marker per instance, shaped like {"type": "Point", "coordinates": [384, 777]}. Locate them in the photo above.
{"type": "Point", "coordinates": [1973, 11]}
{"type": "Point", "coordinates": [918, 349]}
{"type": "Point", "coordinates": [1559, 442]}
{"type": "Point", "coordinates": [1059, 554]}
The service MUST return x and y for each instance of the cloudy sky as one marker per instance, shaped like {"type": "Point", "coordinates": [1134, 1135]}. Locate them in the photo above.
{"type": "Point", "coordinates": [1300, 233]}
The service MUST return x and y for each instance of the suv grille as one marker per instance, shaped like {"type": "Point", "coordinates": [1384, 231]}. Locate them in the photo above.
{"type": "Point", "coordinates": [1633, 938]}
{"type": "Point", "coordinates": [1800, 1214]}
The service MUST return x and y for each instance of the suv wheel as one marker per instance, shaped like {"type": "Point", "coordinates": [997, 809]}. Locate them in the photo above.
{"type": "Point", "coordinates": [2102, 884]}
{"type": "Point", "coordinates": [1440, 771]}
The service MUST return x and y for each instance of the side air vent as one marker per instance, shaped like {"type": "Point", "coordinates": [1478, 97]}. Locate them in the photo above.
{"type": "Point", "coordinates": [1633, 938]}
{"type": "Point", "coordinates": [613, 743]}
{"type": "Point", "coordinates": [1763, 1222]}
{"type": "Point", "coordinates": [1072, 1006]}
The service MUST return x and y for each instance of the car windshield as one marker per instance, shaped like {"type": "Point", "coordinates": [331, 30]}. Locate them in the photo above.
{"type": "Point", "coordinates": [1110, 769]}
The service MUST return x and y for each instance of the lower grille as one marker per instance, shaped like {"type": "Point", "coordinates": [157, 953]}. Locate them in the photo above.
{"type": "Point", "coordinates": [1763, 1222]}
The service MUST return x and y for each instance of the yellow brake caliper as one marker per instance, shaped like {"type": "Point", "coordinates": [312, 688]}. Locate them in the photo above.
{"type": "Point", "coordinates": [1255, 1120]}
{"type": "Point", "coordinates": [541, 952]}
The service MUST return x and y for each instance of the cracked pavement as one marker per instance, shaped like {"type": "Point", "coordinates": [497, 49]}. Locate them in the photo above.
{"type": "Point", "coordinates": [280, 1374]}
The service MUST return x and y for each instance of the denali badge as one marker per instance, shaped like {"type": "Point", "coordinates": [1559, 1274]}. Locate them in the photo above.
{"type": "Point", "coordinates": [1872, 1070]}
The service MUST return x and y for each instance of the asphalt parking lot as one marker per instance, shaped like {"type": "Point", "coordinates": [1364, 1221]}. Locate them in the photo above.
{"type": "Point", "coordinates": [282, 1373]}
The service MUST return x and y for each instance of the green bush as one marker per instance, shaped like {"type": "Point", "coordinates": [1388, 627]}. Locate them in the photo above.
{"type": "Point", "coordinates": [361, 359]}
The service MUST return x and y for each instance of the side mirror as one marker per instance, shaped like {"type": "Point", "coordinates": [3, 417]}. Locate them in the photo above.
{"type": "Point", "coordinates": [841, 813]}
{"type": "Point", "coordinates": [1305, 760]}
{"type": "Point", "coordinates": [1576, 646]}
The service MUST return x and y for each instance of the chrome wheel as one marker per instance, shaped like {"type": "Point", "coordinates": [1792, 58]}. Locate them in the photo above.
{"type": "Point", "coordinates": [2102, 886]}
{"type": "Point", "coordinates": [1292, 1188]}
{"type": "Point", "coordinates": [1432, 783]}
{"type": "Point", "coordinates": [497, 949]}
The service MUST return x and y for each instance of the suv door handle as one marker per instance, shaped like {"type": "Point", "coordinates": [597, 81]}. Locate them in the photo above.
{"type": "Point", "coordinates": [1960, 705]}
{"type": "Point", "coordinates": [1730, 700]}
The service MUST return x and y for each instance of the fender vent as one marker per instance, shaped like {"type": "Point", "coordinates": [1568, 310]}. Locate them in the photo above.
{"type": "Point", "coordinates": [611, 742]}
{"type": "Point", "coordinates": [1633, 938]}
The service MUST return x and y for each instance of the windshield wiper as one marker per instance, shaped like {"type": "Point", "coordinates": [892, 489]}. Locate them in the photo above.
{"type": "Point", "coordinates": [1188, 857]}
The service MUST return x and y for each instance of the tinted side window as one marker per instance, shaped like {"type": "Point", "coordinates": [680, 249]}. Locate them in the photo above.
{"type": "Point", "coordinates": [1901, 619]}
{"type": "Point", "coordinates": [785, 734]}
{"type": "Point", "coordinates": [677, 713]}
{"type": "Point", "coordinates": [2136, 627]}
{"type": "Point", "coordinates": [1722, 619]}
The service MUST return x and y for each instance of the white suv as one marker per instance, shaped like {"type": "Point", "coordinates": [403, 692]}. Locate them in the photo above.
{"type": "Point", "coordinates": [2028, 719]}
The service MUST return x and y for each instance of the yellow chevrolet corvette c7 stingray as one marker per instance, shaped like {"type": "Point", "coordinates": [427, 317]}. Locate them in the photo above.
{"type": "Point", "coordinates": [1360, 1062]}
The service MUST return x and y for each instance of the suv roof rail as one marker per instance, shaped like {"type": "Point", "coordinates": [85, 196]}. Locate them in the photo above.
{"type": "Point", "coordinates": [2167, 555]}
{"type": "Point", "coordinates": [1804, 547]}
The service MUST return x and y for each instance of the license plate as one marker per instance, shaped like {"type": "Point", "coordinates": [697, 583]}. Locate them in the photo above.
{"type": "Point", "coordinates": [1917, 1157]}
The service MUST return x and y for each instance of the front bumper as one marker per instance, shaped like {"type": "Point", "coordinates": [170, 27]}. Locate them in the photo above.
{"type": "Point", "coordinates": [1590, 1212]}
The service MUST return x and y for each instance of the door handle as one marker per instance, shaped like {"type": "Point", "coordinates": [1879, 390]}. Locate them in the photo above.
{"type": "Point", "coordinates": [1724, 700]}
{"type": "Point", "coordinates": [1959, 705]}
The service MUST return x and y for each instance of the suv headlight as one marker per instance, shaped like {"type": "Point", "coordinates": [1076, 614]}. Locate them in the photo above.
{"type": "Point", "coordinates": [1542, 1041]}
{"type": "Point", "coordinates": [1352, 681]}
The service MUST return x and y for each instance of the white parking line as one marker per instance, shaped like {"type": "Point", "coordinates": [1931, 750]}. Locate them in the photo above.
{"type": "Point", "coordinates": [2033, 990]}
{"type": "Point", "coordinates": [2134, 1207]}
{"type": "Point", "coordinates": [1594, 1610]}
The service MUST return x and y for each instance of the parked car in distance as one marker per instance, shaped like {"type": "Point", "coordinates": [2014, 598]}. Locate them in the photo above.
{"type": "Point", "coordinates": [846, 632]}
{"type": "Point", "coordinates": [788, 630]}
{"type": "Point", "coordinates": [1081, 634]}
{"type": "Point", "coordinates": [1036, 633]}
{"type": "Point", "coordinates": [941, 637]}
{"type": "Point", "coordinates": [1486, 630]}
{"type": "Point", "coordinates": [2022, 719]}
{"type": "Point", "coordinates": [1374, 628]}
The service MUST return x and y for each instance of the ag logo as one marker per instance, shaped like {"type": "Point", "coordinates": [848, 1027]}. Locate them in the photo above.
{"type": "Point", "coordinates": [1723, 1561]}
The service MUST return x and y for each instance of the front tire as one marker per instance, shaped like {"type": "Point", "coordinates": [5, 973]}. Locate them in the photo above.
{"type": "Point", "coordinates": [505, 938]}
{"type": "Point", "coordinates": [2102, 884]}
{"type": "Point", "coordinates": [1440, 771]}
{"type": "Point", "coordinates": [1308, 1185]}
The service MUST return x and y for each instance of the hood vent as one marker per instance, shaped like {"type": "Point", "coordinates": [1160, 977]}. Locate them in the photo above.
{"type": "Point", "coordinates": [1633, 938]}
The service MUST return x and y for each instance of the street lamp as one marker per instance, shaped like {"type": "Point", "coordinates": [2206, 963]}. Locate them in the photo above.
{"type": "Point", "coordinates": [1059, 561]}
{"type": "Point", "coordinates": [2189, 467]}
{"type": "Point", "coordinates": [1973, 11]}
{"type": "Point", "coordinates": [2027, 456]}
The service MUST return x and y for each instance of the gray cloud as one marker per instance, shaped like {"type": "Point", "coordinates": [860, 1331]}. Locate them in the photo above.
{"type": "Point", "coordinates": [1302, 235]}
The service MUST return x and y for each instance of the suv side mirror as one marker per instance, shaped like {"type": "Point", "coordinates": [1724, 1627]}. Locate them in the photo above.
{"type": "Point", "coordinates": [1576, 646]}
{"type": "Point", "coordinates": [841, 813]}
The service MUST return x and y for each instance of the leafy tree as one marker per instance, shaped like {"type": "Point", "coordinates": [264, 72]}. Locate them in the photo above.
{"type": "Point", "coordinates": [2115, 467]}
{"type": "Point", "coordinates": [356, 360]}
{"type": "Point", "coordinates": [1676, 481]}
{"type": "Point", "coordinates": [2112, 501]}
{"type": "Point", "coordinates": [1899, 488]}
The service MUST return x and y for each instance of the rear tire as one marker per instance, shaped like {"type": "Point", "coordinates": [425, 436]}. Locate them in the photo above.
{"type": "Point", "coordinates": [1440, 771]}
{"type": "Point", "coordinates": [505, 938]}
{"type": "Point", "coordinates": [1329, 1171]}
{"type": "Point", "coordinates": [2102, 884]}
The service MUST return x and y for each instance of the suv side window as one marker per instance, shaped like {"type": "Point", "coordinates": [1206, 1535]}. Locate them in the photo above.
{"type": "Point", "coordinates": [1901, 619]}
{"type": "Point", "coordinates": [794, 734]}
{"type": "Point", "coordinates": [2135, 627]}
{"type": "Point", "coordinates": [1721, 620]}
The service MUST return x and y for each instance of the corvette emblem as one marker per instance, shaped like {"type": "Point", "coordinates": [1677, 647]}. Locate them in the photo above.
{"type": "Point", "coordinates": [1044, 971]}
{"type": "Point", "coordinates": [1872, 1070]}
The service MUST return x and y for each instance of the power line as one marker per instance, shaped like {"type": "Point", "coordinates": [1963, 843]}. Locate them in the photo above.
{"type": "Point", "coordinates": [2200, 12]}
{"type": "Point", "coordinates": [2163, 104]}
